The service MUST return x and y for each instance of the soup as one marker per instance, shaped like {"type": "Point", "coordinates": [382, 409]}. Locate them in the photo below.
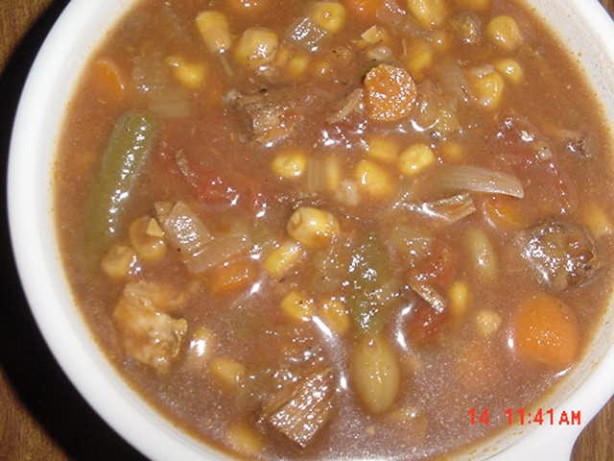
{"type": "Point", "coordinates": [354, 229]}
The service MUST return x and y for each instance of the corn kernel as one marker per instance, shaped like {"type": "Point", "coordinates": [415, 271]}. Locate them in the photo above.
{"type": "Point", "coordinates": [189, 74]}
{"type": "Point", "coordinates": [298, 65]}
{"type": "Point", "coordinates": [119, 261]}
{"type": "Point", "coordinates": [487, 322]}
{"type": "Point", "coordinates": [290, 164]}
{"type": "Point", "coordinates": [244, 439]}
{"type": "Point", "coordinates": [297, 306]}
{"type": "Point", "coordinates": [415, 159]}
{"type": "Point", "coordinates": [257, 47]}
{"type": "Point", "coordinates": [228, 372]}
{"type": "Point", "coordinates": [383, 149]}
{"type": "Point", "coordinates": [373, 180]}
{"type": "Point", "coordinates": [148, 247]}
{"type": "Point", "coordinates": [313, 227]}
{"type": "Point", "coordinates": [215, 31]}
{"type": "Point", "coordinates": [503, 32]}
{"type": "Point", "coordinates": [332, 167]}
{"type": "Point", "coordinates": [282, 259]}
{"type": "Point", "coordinates": [420, 58]}
{"type": "Point", "coordinates": [510, 69]}
{"type": "Point", "coordinates": [335, 315]}
{"type": "Point", "coordinates": [154, 229]}
{"type": "Point", "coordinates": [330, 16]}
{"type": "Point", "coordinates": [473, 5]}
{"type": "Point", "coordinates": [428, 13]}
{"type": "Point", "coordinates": [487, 88]}
{"type": "Point", "coordinates": [597, 220]}
{"type": "Point", "coordinates": [452, 151]}
{"type": "Point", "coordinates": [458, 295]}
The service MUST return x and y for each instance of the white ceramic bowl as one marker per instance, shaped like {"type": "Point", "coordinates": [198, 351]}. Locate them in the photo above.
{"type": "Point", "coordinates": [582, 24]}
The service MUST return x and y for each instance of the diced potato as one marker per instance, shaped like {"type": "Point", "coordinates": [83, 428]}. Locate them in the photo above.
{"type": "Point", "coordinates": [545, 331]}
{"type": "Point", "coordinates": [347, 194]}
{"type": "Point", "coordinates": [290, 163]}
{"type": "Point", "coordinates": [415, 159]}
{"type": "Point", "coordinates": [256, 47]}
{"type": "Point", "coordinates": [452, 151]}
{"type": "Point", "coordinates": [487, 86]}
{"type": "Point", "coordinates": [487, 322]}
{"type": "Point", "coordinates": [429, 13]}
{"type": "Point", "coordinates": [375, 374]}
{"type": "Point", "coordinates": [383, 149]}
{"type": "Point", "coordinates": [313, 227]}
{"type": "Point", "coordinates": [503, 32]}
{"type": "Point", "coordinates": [298, 306]}
{"type": "Point", "coordinates": [332, 167]}
{"type": "Point", "coordinates": [420, 57]}
{"type": "Point", "coordinates": [215, 31]}
{"type": "Point", "coordinates": [597, 220]}
{"type": "Point", "coordinates": [189, 74]}
{"type": "Point", "coordinates": [229, 373]}
{"type": "Point", "coordinates": [282, 259]}
{"type": "Point", "coordinates": [148, 247]}
{"type": "Point", "coordinates": [458, 296]}
{"type": "Point", "coordinates": [245, 439]}
{"type": "Point", "coordinates": [119, 261]}
{"type": "Point", "coordinates": [328, 15]}
{"type": "Point", "coordinates": [335, 315]}
{"type": "Point", "coordinates": [374, 180]}
{"type": "Point", "coordinates": [511, 70]}
{"type": "Point", "coordinates": [473, 5]}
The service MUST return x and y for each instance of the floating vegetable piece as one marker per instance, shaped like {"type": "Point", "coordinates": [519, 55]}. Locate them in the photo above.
{"type": "Point", "coordinates": [391, 93]}
{"type": "Point", "coordinates": [123, 162]}
{"type": "Point", "coordinates": [375, 373]}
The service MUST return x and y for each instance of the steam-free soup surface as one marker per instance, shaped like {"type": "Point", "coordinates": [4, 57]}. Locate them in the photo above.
{"type": "Point", "coordinates": [321, 229]}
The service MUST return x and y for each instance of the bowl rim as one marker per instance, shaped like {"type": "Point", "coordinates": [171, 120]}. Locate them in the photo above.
{"type": "Point", "coordinates": [67, 333]}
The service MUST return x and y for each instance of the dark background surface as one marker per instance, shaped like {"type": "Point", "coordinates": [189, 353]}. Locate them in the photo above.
{"type": "Point", "coordinates": [42, 417]}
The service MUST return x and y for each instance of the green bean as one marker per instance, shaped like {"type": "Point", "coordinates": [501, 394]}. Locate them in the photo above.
{"type": "Point", "coordinates": [123, 161]}
{"type": "Point", "coordinates": [369, 272]}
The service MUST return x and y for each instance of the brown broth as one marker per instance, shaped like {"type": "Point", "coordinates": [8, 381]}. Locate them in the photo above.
{"type": "Point", "coordinates": [249, 325]}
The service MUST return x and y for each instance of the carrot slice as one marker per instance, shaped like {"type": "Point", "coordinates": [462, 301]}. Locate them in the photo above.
{"type": "Point", "coordinates": [108, 79]}
{"type": "Point", "coordinates": [390, 93]}
{"type": "Point", "coordinates": [504, 212]}
{"type": "Point", "coordinates": [545, 331]}
{"type": "Point", "coordinates": [232, 277]}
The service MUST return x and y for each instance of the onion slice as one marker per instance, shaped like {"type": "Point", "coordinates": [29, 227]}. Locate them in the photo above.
{"type": "Point", "coordinates": [477, 179]}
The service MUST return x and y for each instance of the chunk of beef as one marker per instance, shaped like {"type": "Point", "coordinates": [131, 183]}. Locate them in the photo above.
{"type": "Point", "coordinates": [302, 409]}
{"type": "Point", "coordinates": [274, 115]}
{"type": "Point", "coordinates": [148, 334]}
{"type": "Point", "coordinates": [563, 255]}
